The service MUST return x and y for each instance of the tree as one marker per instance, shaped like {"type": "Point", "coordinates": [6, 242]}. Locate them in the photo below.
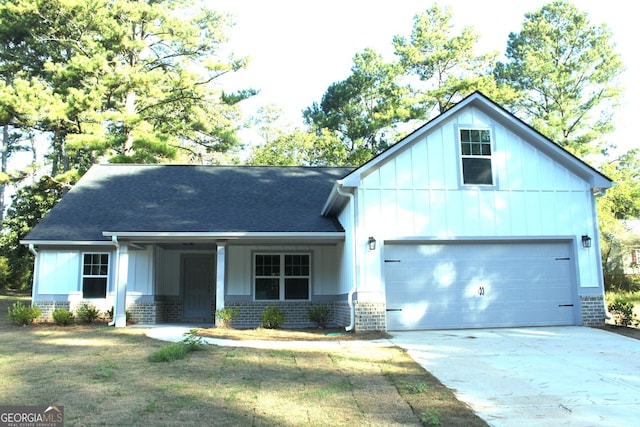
{"type": "Point", "coordinates": [443, 66]}
{"type": "Point", "coordinates": [565, 70]}
{"type": "Point", "coordinates": [29, 205]}
{"type": "Point", "coordinates": [621, 202]}
{"type": "Point", "coordinates": [364, 109]}
{"type": "Point", "coordinates": [301, 148]}
{"type": "Point", "coordinates": [130, 80]}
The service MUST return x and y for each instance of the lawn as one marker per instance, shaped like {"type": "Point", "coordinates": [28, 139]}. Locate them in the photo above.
{"type": "Point", "coordinates": [103, 376]}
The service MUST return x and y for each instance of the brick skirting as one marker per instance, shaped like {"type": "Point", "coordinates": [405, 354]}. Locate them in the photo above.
{"type": "Point", "coordinates": [370, 316]}
{"type": "Point", "coordinates": [593, 310]}
{"type": "Point", "coordinates": [296, 313]}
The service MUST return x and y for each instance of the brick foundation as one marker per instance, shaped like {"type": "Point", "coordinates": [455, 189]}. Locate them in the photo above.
{"type": "Point", "coordinates": [593, 310]}
{"type": "Point", "coordinates": [295, 313]}
{"type": "Point", "coordinates": [142, 312]}
{"type": "Point", "coordinates": [48, 307]}
{"type": "Point", "coordinates": [370, 316]}
{"type": "Point", "coordinates": [342, 313]}
{"type": "Point", "coordinates": [168, 312]}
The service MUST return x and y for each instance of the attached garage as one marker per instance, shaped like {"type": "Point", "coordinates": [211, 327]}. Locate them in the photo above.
{"type": "Point", "coordinates": [480, 284]}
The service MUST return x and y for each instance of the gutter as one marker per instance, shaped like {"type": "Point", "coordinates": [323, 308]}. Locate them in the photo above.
{"type": "Point", "coordinates": [352, 291]}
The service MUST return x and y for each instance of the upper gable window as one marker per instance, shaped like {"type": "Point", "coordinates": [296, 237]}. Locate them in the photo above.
{"type": "Point", "coordinates": [475, 149]}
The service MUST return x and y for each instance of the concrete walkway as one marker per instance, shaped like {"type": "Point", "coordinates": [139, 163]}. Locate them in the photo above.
{"type": "Point", "coordinates": [176, 333]}
{"type": "Point", "coordinates": [548, 376]}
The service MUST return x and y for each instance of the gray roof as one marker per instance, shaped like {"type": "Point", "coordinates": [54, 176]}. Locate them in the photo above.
{"type": "Point", "coordinates": [179, 198]}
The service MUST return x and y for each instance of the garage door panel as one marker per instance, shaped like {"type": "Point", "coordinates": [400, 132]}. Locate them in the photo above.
{"type": "Point", "coordinates": [478, 285]}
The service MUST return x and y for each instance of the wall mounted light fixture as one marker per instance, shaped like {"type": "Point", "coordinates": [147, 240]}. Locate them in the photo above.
{"type": "Point", "coordinates": [586, 241]}
{"type": "Point", "coordinates": [372, 243]}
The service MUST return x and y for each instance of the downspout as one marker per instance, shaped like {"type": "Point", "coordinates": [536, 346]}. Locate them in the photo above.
{"type": "Point", "coordinates": [352, 309]}
{"type": "Point", "coordinates": [114, 239]}
{"type": "Point", "coordinates": [594, 209]}
{"type": "Point", "coordinates": [32, 249]}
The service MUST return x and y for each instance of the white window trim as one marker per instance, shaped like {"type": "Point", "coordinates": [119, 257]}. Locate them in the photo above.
{"type": "Point", "coordinates": [98, 276]}
{"type": "Point", "coordinates": [282, 276]}
{"type": "Point", "coordinates": [490, 157]}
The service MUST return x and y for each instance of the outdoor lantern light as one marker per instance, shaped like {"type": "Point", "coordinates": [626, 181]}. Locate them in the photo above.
{"type": "Point", "coordinates": [586, 241]}
{"type": "Point", "coordinates": [372, 243]}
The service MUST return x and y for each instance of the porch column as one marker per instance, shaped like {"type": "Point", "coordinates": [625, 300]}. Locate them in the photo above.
{"type": "Point", "coordinates": [122, 274]}
{"type": "Point", "coordinates": [220, 267]}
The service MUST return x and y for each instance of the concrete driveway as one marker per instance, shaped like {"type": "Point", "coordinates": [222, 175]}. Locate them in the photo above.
{"type": "Point", "coordinates": [547, 376]}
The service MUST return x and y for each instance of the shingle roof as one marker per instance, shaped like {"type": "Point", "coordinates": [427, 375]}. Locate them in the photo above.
{"type": "Point", "coordinates": [174, 198]}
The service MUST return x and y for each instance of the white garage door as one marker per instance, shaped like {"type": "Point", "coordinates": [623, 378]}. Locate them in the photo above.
{"type": "Point", "coordinates": [475, 285]}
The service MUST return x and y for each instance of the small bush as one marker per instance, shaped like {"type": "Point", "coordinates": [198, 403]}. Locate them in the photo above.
{"type": "Point", "coordinates": [193, 342]}
{"type": "Point", "coordinates": [169, 353]}
{"type": "Point", "coordinates": [272, 318]}
{"type": "Point", "coordinates": [62, 316]}
{"type": "Point", "coordinates": [622, 312]}
{"type": "Point", "coordinates": [319, 315]}
{"type": "Point", "coordinates": [87, 313]}
{"type": "Point", "coordinates": [227, 315]}
{"type": "Point", "coordinates": [109, 315]}
{"type": "Point", "coordinates": [21, 314]}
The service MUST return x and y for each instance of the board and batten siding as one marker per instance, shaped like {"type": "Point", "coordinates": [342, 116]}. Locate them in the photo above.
{"type": "Point", "coordinates": [58, 272]}
{"type": "Point", "coordinates": [417, 193]}
{"type": "Point", "coordinates": [140, 274]}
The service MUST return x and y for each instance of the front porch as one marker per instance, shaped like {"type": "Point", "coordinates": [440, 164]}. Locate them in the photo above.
{"type": "Point", "coordinates": [188, 280]}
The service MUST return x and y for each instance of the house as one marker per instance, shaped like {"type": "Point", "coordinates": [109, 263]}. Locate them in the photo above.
{"type": "Point", "coordinates": [473, 220]}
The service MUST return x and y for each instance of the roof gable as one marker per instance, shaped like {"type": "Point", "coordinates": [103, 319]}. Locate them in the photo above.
{"type": "Point", "coordinates": [477, 100]}
{"type": "Point", "coordinates": [191, 199]}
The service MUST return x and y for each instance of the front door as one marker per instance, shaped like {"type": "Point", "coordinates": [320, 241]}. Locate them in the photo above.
{"type": "Point", "coordinates": [198, 287]}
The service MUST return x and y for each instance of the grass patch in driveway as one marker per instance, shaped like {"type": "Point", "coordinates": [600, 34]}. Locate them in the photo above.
{"type": "Point", "coordinates": [103, 376]}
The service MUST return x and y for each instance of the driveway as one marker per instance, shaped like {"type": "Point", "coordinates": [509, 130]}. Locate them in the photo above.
{"type": "Point", "coordinates": [546, 376]}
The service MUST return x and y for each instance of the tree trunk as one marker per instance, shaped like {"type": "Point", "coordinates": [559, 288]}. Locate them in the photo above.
{"type": "Point", "coordinates": [130, 107]}
{"type": "Point", "coordinates": [5, 161]}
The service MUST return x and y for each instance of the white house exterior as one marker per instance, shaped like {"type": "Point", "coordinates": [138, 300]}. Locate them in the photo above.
{"type": "Point", "coordinates": [451, 254]}
{"type": "Point", "coordinates": [473, 220]}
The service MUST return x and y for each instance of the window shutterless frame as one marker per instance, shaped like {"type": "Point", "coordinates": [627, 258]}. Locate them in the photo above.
{"type": "Point", "coordinates": [95, 274]}
{"type": "Point", "coordinates": [282, 276]}
{"type": "Point", "coordinates": [475, 147]}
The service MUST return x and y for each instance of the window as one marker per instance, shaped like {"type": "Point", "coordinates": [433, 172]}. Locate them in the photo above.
{"type": "Point", "coordinates": [95, 274]}
{"type": "Point", "coordinates": [282, 276]}
{"type": "Point", "coordinates": [475, 148]}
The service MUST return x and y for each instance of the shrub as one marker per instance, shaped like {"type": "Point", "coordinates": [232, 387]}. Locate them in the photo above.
{"type": "Point", "coordinates": [109, 315]}
{"type": "Point", "coordinates": [193, 342]}
{"type": "Point", "coordinates": [319, 315]}
{"type": "Point", "coordinates": [87, 313]}
{"type": "Point", "coordinates": [622, 312]}
{"type": "Point", "coordinates": [21, 314]}
{"type": "Point", "coordinates": [227, 315]}
{"type": "Point", "coordinates": [272, 318]}
{"type": "Point", "coordinates": [169, 353]}
{"type": "Point", "coordinates": [62, 316]}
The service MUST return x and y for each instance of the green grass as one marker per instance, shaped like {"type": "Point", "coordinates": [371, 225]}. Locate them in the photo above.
{"type": "Point", "coordinates": [103, 376]}
{"type": "Point", "coordinates": [169, 353]}
{"type": "Point", "coordinates": [632, 297]}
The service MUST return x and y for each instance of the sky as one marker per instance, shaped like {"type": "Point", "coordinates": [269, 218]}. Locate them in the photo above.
{"type": "Point", "coordinates": [298, 48]}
